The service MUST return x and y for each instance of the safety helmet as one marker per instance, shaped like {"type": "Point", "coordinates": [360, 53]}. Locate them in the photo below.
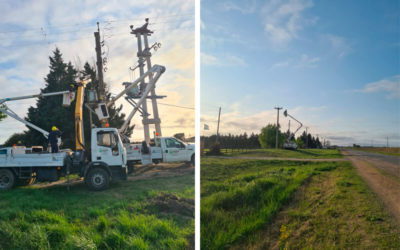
{"type": "Point", "coordinates": [54, 128]}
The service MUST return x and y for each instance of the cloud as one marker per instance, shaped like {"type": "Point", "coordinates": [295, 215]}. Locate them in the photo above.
{"type": "Point", "coordinates": [283, 20]}
{"type": "Point", "coordinates": [225, 60]}
{"type": "Point", "coordinates": [389, 85]}
{"type": "Point", "coordinates": [247, 8]}
{"type": "Point", "coordinates": [307, 62]}
{"type": "Point", "coordinates": [339, 45]}
{"type": "Point", "coordinates": [304, 61]}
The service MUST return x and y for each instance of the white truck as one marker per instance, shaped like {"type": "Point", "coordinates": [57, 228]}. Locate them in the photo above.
{"type": "Point", "coordinates": [166, 149]}
{"type": "Point", "coordinates": [21, 165]}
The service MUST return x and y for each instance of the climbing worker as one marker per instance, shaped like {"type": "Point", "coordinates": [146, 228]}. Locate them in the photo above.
{"type": "Point", "coordinates": [53, 139]}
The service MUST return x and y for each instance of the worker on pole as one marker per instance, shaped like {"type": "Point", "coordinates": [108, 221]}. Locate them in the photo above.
{"type": "Point", "coordinates": [54, 135]}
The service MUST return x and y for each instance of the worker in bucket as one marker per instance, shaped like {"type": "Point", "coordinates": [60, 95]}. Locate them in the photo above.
{"type": "Point", "coordinates": [54, 136]}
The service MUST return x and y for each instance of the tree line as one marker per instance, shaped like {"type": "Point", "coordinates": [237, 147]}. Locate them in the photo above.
{"type": "Point", "coordinates": [265, 139]}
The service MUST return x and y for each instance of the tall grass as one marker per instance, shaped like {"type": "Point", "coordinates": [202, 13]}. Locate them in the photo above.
{"type": "Point", "coordinates": [240, 197]}
{"type": "Point", "coordinates": [122, 217]}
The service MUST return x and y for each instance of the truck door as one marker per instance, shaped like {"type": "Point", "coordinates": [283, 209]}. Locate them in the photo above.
{"type": "Point", "coordinates": [174, 150]}
{"type": "Point", "coordinates": [108, 149]}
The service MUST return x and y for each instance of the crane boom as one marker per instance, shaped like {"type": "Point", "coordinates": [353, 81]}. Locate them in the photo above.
{"type": "Point", "coordinates": [79, 135]}
{"type": "Point", "coordinates": [158, 70]}
{"type": "Point", "coordinates": [292, 134]}
{"type": "Point", "coordinates": [12, 114]}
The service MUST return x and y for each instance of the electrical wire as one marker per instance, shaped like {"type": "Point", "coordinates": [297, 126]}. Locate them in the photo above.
{"type": "Point", "coordinates": [177, 106]}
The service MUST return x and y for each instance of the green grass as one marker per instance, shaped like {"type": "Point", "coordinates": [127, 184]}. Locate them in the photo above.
{"type": "Point", "coordinates": [300, 153]}
{"type": "Point", "coordinates": [242, 198]}
{"type": "Point", "coordinates": [122, 217]}
{"type": "Point", "coordinates": [385, 151]}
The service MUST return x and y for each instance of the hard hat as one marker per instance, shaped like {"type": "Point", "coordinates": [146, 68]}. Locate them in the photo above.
{"type": "Point", "coordinates": [19, 142]}
{"type": "Point", "coordinates": [54, 128]}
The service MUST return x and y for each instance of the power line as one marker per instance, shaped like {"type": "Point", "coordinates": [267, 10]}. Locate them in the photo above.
{"type": "Point", "coordinates": [177, 106]}
{"type": "Point", "coordinates": [91, 23]}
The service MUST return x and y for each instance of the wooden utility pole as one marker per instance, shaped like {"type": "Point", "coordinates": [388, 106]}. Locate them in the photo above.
{"type": "Point", "coordinates": [100, 90]}
{"type": "Point", "coordinates": [219, 115]}
{"type": "Point", "coordinates": [277, 127]}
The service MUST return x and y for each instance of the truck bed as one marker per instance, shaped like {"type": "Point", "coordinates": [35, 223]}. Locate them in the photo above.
{"type": "Point", "coordinates": [16, 157]}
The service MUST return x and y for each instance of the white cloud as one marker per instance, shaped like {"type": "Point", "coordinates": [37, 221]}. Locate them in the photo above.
{"type": "Point", "coordinates": [224, 61]}
{"type": "Point", "coordinates": [307, 62]}
{"type": "Point", "coordinates": [284, 19]}
{"type": "Point", "coordinates": [340, 46]}
{"type": "Point", "coordinates": [247, 8]}
{"type": "Point", "coordinates": [389, 85]}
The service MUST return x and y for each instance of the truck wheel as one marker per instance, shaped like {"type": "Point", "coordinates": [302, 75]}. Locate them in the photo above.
{"type": "Point", "coordinates": [7, 179]}
{"type": "Point", "coordinates": [97, 179]}
{"type": "Point", "coordinates": [131, 167]}
{"type": "Point", "coordinates": [26, 182]}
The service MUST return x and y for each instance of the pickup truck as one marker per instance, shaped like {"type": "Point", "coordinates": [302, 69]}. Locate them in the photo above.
{"type": "Point", "coordinates": [166, 149]}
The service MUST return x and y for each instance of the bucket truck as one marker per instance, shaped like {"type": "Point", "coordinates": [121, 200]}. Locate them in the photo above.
{"type": "Point", "coordinates": [289, 144]}
{"type": "Point", "coordinates": [106, 160]}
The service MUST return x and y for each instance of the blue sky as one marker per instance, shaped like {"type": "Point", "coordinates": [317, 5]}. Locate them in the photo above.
{"type": "Point", "coordinates": [333, 64]}
{"type": "Point", "coordinates": [31, 30]}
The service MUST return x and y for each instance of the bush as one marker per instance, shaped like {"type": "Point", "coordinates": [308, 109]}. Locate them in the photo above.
{"type": "Point", "coordinates": [215, 149]}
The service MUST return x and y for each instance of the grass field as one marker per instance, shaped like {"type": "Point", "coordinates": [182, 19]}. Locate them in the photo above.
{"type": "Point", "coordinates": [241, 200]}
{"type": "Point", "coordinates": [300, 153]}
{"type": "Point", "coordinates": [386, 151]}
{"type": "Point", "coordinates": [129, 215]}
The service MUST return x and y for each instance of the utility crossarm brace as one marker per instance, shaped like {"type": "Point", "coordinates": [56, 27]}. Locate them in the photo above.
{"type": "Point", "coordinates": [292, 134]}
{"type": "Point", "coordinates": [12, 114]}
{"type": "Point", "coordinates": [158, 69]}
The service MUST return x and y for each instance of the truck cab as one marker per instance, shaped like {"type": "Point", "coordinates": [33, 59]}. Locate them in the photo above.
{"type": "Point", "coordinates": [165, 149]}
{"type": "Point", "coordinates": [174, 150]}
{"type": "Point", "coordinates": [108, 159]}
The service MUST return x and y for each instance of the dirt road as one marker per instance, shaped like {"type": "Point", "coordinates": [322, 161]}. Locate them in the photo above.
{"type": "Point", "coordinates": [141, 172]}
{"type": "Point", "coordinates": [382, 173]}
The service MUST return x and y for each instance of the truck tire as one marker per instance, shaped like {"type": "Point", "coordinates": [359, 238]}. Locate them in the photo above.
{"type": "Point", "coordinates": [131, 167]}
{"type": "Point", "coordinates": [26, 182]}
{"type": "Point", "coordinates": [97, 179]}
{"type": "Point", "coordinates": [7, 179]}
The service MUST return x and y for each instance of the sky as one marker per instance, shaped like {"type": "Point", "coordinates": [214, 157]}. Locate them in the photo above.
{"type": "Point", "coordinates": [333, 65]}
{"type": "Point", "coordinates": [31, 30]}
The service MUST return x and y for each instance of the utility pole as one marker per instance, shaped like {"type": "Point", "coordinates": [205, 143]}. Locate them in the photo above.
{"type": "Point", "coordinates": [277, 127]}
{"type": "Point", "coordinates": [144, 55]}
{"type": "Point", "coordinates": [101, 91]}
{"type": "Point", "coordinates": [387, 141]}
{"type": "Point", "coordinates": [219, 115]}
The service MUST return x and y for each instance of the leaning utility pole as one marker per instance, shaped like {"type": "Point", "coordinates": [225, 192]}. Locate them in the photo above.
{"type": "Point", "coordinates": [100, 90]}
{"type": "Point", "coordinates": [277, 127]}
{"type": "Point", "coordinates": [219, 115]}
{"type": "Point", "coordinates": [144, 55]}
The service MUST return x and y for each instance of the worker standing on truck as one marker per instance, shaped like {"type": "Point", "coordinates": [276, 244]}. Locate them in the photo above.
{"type": "Point", "coordinates": [53, 139]}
